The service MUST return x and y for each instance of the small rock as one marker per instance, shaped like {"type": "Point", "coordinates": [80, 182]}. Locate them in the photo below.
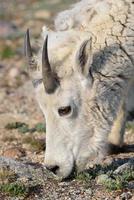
{"type": "Point", "coordinates": [13, 73]}
{"type": "Point", "coordinates": [14, 152]}
{"type": "Point", "coordinates": [89, 191]}
{"type": "Point", "coordinates": [126, 195]}
{"type": "Point", "coordinates": [131, 185]}
{"type": "Point", "coordinates": [64, 184]}
{"type": "Point", "coordinates": [23, 179]}
{"type": "Point", "coordinates": [127, 166]}
{"type": "Point", "coordinates": [102, 178]}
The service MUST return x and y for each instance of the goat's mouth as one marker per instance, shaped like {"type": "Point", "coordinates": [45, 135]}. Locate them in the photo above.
{"type": "Point", "coordinates": [62, 175]}
{"type": "Point", "coordinates": [71, 175]}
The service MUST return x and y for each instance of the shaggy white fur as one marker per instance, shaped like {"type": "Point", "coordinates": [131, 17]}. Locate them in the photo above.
{"type": "Point", "coordinates": [91, 50]}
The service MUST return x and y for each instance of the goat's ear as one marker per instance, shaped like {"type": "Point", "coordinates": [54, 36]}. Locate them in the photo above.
{"type": "Point", "coordinates": [84, 57]}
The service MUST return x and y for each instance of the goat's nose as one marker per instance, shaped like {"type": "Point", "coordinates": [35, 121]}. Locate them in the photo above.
{"type": "Point", "coordinates": [53, 169]}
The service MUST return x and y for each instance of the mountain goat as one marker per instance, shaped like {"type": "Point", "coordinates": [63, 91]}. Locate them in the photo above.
{"type": "Point", "coordinates": [82, 76]}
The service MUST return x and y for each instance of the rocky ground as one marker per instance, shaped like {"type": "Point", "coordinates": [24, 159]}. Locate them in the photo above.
{"type": "Point", "coordinates": [22, 129]}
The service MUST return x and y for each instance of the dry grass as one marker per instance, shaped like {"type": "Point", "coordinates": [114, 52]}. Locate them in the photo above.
{"type": "Point", "coordinates": [34, 144]}
{"type": "Point", "coordinates": [6, 176]}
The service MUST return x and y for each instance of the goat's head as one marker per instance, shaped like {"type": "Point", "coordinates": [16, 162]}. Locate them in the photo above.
{"type": "Point", "coordinates": [65, 104]}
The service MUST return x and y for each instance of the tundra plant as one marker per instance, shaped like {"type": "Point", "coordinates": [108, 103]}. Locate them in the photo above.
{"type": "Point", "coordinates": [83, 77]}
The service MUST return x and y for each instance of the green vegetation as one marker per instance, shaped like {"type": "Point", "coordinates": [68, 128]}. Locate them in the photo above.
{"type": "Point", "coordinates": [6, 175]}
{"type": "Point", "coordinates": [92, 173]}
{"type": "Point", "coordinates": [130, 126]}
{"type": "Point", "coordinates": [128, 175]}
{"type": "Point", "coordinates": [14, 189]}
{"type": "Point", "coordinates": [109, 180]}
{"type": "Point", "coordinates": [119, 181]}
{"type": "Point", "coordinates": [40, 127]}
{"type": "Point", "coordinates": [14, 125]}
{"type": "Point", "coordinates": [8, 184]}
{"type": "Point", "coordinates": [114, 184]}
{"type": "Point", "coordinates": [35, 144]}
{"type": "Point", "coordinates": [84, 176]}
{"type": "Point", "coordinates": [7, 52]}
{"type": "Point", "coordinates": [24, 128]}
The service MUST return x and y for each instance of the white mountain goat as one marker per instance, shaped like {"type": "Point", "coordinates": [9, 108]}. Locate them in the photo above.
{"type": "Point", "coordinates": [82, 76]}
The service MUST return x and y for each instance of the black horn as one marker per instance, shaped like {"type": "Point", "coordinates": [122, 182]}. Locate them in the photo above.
{"type": "Point", "coordinates": [27, 45]}
{"type": "Point", "coordinates": [28, 52]}
{"type": "Point", "coordinates": [49, 78]}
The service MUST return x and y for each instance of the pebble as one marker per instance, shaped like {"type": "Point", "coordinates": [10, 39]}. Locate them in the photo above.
{"type": "Point", "coordinates": [126, 195]}
{"type": "Point", "coordinates": [88, 191]}
{"type": "Point", "coordinates": [126, 166]}
{"type": "Point", "coordinates": [102, 178]}
{"type": "Point", "coordinates": [13, 73]}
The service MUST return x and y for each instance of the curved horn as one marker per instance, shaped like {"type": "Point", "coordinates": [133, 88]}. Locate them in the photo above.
{"type": "Point", "coordinates": [49, 80]}
{"type": "Point", "coordinates": [28, 51]}
{"type": "Point", "coordinates": [27, 45]}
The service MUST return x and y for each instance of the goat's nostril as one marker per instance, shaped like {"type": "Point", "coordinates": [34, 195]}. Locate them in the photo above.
{"type": "Point", "coordinates": [53, 169]}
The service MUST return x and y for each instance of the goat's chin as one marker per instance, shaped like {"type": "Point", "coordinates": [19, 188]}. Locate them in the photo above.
{"type": "Point", "coordinates": [65, 173]}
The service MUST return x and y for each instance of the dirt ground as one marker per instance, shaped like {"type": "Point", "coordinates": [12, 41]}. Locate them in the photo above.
{"type": "Point", "coordinates": [26, 142]}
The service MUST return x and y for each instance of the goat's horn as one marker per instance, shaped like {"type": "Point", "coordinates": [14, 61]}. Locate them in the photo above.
{"type": "Point", "coordinates": [27, 45]}
{"type": "Point", "coordinates": [49, 80]}
{"type": "Point", "coordinates": [28, 52]}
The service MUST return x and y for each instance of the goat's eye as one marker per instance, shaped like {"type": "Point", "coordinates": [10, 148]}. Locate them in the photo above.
{"type": "Point", "coordinates": [64, 110]}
